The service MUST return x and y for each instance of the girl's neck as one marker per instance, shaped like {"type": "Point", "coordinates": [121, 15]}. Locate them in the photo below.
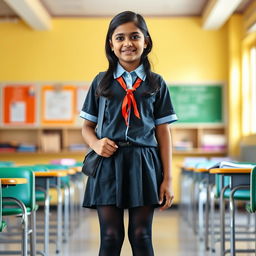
{"type": "Point", "coordinates": [129, 67]}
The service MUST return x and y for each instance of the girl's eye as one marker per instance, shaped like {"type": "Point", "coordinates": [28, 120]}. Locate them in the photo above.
{"type": "Point", "coordinates": [119, 38]}
{"type": "Point", "coordinates": [134, 37]}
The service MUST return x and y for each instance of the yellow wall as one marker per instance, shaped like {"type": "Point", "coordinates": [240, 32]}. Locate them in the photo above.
{"type": "Point", "coordinates": [74, 50]}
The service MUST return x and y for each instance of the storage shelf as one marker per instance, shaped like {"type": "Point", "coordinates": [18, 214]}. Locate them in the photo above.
{"type": "Point", "coordinates": [193, 138]}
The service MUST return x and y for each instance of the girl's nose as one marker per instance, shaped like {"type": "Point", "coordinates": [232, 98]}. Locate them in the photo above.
{"type": "Point", "coordinates": [127, 42]}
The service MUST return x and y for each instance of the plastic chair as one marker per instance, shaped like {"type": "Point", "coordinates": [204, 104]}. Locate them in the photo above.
{"type": "Point", "coordinates": [6, 163]}
{"type": "Point", "coordinates": [2, 222]}
{"type": "Point", "coordinates": [251, 207]}
{"type": "Point", "coordinates": [42, 196]}
{"type": "Point", "coordinates": [20, 201]}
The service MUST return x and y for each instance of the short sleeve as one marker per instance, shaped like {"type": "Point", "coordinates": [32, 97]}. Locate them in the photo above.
{"type": "Point", "coordinates": [91, 104]}
{"type": "Point", "coordinates": [163, 108]}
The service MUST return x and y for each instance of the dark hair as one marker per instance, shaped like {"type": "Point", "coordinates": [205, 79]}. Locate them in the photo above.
{"type": "Point", "coordinates": [119, 19]}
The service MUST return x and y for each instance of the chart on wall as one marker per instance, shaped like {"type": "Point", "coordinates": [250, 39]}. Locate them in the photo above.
{"type": "Point", "coordinates": [19, 104]}
{"type": "Point", "coordinates": [58, 104]}
{"type": "Point", "coordinates": [198, 103]}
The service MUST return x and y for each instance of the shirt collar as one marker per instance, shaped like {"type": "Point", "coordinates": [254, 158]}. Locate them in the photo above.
{"type": "Point", "coordinates": [139, 71]}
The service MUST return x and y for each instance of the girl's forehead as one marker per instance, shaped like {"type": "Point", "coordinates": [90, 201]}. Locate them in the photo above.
{"type": "Point", "coordinates": [125, 28]}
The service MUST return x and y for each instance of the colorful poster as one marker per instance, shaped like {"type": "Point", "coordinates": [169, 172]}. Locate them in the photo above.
{"type": "Point", "coordinates": [19, 104]}
{"type": "Point", "coordinates": [58, 104]}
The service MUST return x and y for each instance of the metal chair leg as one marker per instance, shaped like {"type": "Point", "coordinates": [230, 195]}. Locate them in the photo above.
{"type": "Point", "coordinates": [232, 219]}
{"type": "Point", "coordinates": [33, 234]}
{"type": "Point", "coordinates": [222, 221]}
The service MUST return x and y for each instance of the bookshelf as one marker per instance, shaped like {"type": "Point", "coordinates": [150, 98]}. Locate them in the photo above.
{"type": "Point", "coordinates": [46, 139]}
{"type": "Point", "coordinates": [199, 139]}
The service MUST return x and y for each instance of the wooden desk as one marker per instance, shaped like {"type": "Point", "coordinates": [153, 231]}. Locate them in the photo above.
{"type": "Point", "coordinates": [239, 179]}
{"type": "Point", "coordinates": [46, 176]}
{"type": "Point", "coordinates": [13, 181]}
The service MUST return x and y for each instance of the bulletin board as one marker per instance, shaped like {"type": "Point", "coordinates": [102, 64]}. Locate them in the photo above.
{"type": "Point", "coordinates": [58, 104]}
{"type": "Point", "coordinates": [19, 104]}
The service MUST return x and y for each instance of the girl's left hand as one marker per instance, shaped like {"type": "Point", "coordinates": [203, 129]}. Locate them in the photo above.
{"type": "Point", "coordinates": [166, 193]}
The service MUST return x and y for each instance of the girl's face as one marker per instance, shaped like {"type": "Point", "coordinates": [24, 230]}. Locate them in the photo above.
{"type": "Point", "coordinates": [128, 44]}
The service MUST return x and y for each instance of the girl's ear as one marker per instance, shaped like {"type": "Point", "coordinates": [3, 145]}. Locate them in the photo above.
{"type": "Point", "coordinates": [146, 43]}
{"type": "Point", "coordinates": [111, 45]}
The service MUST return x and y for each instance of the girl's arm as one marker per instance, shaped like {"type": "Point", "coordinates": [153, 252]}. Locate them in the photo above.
{"type": "Point", "coordinates": [163, 137]}
{"type": "Point", "coordinates": [104, 147]}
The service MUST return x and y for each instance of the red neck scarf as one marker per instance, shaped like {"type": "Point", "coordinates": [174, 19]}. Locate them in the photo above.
{"type": "Point", "coordinates": [129, 99]}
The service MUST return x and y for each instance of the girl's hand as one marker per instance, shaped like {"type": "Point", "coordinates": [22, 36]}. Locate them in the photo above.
{"type": "Point", "coordinates": [105, 147]}
{"type": "Point", "coordinates": [167, 194]}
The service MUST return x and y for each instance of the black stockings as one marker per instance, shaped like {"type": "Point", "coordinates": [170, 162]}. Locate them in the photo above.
{"type": "Point", "coordinates": [139, 230]}
{"type": "Point", "coordinates": [112, 230]}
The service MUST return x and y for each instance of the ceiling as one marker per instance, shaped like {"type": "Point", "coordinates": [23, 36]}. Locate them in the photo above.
{"type": "Point", "coordinates": [84, 8]}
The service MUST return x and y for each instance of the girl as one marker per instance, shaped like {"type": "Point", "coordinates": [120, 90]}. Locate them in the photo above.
{"type": "Point", "coordinates": [136, 144]}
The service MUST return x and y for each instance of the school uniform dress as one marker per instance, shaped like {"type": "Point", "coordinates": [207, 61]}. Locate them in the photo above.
{"type": "Point", "coordinates": [132, 176]}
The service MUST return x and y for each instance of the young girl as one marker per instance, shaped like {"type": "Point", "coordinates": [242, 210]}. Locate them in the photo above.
{"type": "Point", "coordinates": [135, 142]}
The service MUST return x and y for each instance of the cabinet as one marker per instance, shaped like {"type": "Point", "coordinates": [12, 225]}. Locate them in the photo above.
{"type": "Point", "coordinates": [199, 139]}
{"type": "Point", "coordinates": [188, 139]}
{"type": "Point", "coordinates": [43, 139]}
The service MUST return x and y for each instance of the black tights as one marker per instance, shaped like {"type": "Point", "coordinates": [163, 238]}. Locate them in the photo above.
{"type": "Point", "coordinates": [111, 221]}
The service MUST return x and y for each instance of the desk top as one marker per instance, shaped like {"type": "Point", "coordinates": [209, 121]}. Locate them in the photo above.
{"type": "Point", "coordinates": [13, 181]}
{"type": "Point", "coordinates": [201, 170]}
{"type": "Point", "coordinates": [51, 174]}
{"type": "Point", "coordinates": [231, 170]}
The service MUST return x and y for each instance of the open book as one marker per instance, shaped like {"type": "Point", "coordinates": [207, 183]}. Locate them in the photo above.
{"type": "Point", "coordinates": [227, 164]}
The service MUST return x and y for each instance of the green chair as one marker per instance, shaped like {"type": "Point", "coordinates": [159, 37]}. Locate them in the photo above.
{"type": "Point", "coordinates": [2, 222]}
{"type": "Point", "coordinates": [6, 163]}
{"type": "Point", "coordinates": [42, 196]}
{"type": "Point", "coordinates": [20, 201]}
{"type": "Point", "coordinates": [251, 207]}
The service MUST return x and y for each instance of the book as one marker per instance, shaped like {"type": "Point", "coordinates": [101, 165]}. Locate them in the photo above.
{"type": "Point", "coordinates": [229, 164]}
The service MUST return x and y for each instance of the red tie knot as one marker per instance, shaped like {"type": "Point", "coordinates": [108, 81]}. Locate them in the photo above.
{"type": "Point", "coordinates": [130, 91]}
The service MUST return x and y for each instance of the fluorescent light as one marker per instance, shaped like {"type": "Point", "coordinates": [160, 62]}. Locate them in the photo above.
{"type": "Point", "coordinates": [32, 12]}
{"type": "Point", "coordinates": [217, 12]}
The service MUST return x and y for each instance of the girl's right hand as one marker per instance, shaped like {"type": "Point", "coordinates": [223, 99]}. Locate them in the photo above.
{"type": "Point", "coordinates": [105, 147]}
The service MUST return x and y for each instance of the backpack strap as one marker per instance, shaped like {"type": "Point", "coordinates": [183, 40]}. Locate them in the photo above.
{"type": "Point", "coordinates": [102, 104]}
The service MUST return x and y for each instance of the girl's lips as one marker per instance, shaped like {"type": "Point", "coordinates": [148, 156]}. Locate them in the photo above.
{"type": "Point", "coordinates": [128, 51]}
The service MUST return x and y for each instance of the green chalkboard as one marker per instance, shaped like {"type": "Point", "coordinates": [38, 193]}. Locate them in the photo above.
{"type": "Point", "coordinates": [197, 103]}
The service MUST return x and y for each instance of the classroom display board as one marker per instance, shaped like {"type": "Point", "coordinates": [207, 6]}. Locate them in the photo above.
{"type": "Point", "coordinates": [58, 104]}
{"type": "Point", "coordinates": [19, 104]}
{"type": "Point", "coordinates": [198, 103]}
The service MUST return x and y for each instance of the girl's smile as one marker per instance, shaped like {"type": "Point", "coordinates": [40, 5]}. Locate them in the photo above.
{"type": "Point", "coordinates": [128, 44]}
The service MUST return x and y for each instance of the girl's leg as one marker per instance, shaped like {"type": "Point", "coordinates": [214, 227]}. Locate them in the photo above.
{"type": "Point", "coordinates": [111, 230]}
{"type": "Point", "coordinates": [139, 230]}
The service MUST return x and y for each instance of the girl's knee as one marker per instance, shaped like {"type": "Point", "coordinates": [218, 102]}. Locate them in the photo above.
{"type": "Point", "coordinates": [139, 235]}
{"type": "Point", "coordinates": [113, 237]}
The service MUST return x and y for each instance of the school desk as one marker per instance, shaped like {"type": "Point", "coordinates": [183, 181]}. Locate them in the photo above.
{"type": "Point", "coordinates": [45, 176]}
{"type": "Point", "coordinates": [239, 179]}
{"type": "Point", "coordinates": [12, 181]}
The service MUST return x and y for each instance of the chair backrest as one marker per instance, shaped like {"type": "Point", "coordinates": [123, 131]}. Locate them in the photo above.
{"type": "Point", "coordinates": [219, 185]}
{"type": "Point", "coordinates": [1, 217]}
{"type": "Point", "coordinates": [253, 190]}
{"type": "Point", "coordinates": [23, 192]}
{"type": "Point", "coordinates": [6, 163]}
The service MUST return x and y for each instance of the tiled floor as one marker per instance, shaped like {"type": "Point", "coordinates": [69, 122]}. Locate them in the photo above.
{"type": "Point", "coordinates": [171, 236]}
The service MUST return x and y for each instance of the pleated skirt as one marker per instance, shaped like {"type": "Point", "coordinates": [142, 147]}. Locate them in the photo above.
{"type": "Point", "coordinates": [130, 178]}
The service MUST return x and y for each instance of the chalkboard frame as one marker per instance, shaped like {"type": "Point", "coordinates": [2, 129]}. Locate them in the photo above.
{"type": "Point", "coordinates": [216, 84]}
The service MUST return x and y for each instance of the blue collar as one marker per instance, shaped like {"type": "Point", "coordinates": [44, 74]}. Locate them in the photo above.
{"type": "Point", "coordinates": [139, 71]}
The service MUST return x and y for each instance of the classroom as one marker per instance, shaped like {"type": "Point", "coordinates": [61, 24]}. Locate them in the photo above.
{"type": "Point", "coordinates": [205, 54]}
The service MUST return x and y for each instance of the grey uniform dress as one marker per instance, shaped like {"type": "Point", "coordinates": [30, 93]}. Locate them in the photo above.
{"type": "Point", "coordinates": [131, 177]}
